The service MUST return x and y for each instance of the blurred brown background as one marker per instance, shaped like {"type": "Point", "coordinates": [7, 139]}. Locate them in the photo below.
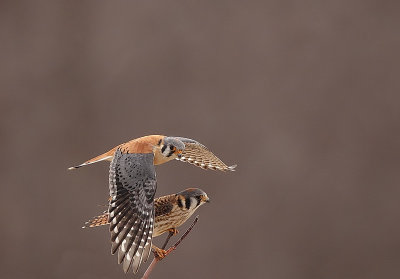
{"type": "Point", "coordinates": [303, 96]}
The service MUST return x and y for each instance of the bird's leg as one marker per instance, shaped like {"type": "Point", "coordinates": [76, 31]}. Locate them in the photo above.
{"type": "Point", "coordinates": [172, 248]}
{"type": "Point", "coordinates": [165, 253]}
{"type": "Point", "coordinates": [159, 253]}
{"type": "Point", "coordinates": [173, 231]}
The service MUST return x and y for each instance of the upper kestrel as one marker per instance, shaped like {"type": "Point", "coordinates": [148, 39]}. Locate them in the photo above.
{"type": "Point", "coordinates": [166, 149]}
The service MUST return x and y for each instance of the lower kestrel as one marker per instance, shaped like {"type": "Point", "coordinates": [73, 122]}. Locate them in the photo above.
{"type": "Point", "coordinates": [171, 212]}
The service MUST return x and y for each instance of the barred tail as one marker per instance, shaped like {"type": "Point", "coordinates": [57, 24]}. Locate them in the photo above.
{"type": "Point", "coordinates": [103, 157]}
{"type": "Point", "coordinates": [97, 221]}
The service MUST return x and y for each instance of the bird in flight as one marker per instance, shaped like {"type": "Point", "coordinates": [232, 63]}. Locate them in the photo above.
{"type": "Point", "coordinates": [171, 212]}
{"type": "Point", "coordinates": [165, 149]}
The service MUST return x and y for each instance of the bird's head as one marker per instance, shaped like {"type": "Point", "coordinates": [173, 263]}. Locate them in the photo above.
{"type": "Point", "coordinates": [172, 147]}
{"type": "Point", "coordinates": [192, 198]}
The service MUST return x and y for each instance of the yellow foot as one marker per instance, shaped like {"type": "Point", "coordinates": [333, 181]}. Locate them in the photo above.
{"type": "Point", "coordinates": [159, 253]}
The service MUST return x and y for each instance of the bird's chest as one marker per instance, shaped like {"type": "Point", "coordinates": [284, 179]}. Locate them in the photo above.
{"type": "Point", "coordinates": [172, 220]}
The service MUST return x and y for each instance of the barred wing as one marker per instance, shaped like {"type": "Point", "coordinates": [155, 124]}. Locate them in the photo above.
{"type": "Point", "coordinates": [131, 209]}
{"type": "Point", "coordinates": [197, 154]}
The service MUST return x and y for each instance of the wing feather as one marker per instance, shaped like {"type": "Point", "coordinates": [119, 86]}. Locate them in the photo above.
{"type": "Point", "coordinates": [197, 154]}
{"type": "Point", "coordinates": [120, 220]}
{"type": "Point", "coordinates": [131, 209]}
{"type": "Point", "coordinates": [163, 205]}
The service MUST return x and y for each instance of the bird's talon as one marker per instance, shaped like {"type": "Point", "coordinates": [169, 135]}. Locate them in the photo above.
{"type": "Point", "coordinates": [159, 254]}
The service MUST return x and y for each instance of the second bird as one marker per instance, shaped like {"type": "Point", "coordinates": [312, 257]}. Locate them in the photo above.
{"type": "Point", "coordinates": [171, 212]}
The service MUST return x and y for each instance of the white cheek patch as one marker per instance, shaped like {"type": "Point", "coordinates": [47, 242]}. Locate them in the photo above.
{"type": "Point", "coordinates": [167, 150]}
{"type": "Point", "coordinates": [193, 203]}
{"type": "Point", "coordinates": [183, 202]}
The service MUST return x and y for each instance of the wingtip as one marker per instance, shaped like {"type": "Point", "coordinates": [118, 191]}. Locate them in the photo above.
{"type": "Point", "coordinates": [232, 168]}
{"type": "Point", "coordinates": [72, 168]}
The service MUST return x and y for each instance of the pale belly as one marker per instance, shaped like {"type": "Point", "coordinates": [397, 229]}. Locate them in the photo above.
{"type": "Point", "coordinates": [173, 220]}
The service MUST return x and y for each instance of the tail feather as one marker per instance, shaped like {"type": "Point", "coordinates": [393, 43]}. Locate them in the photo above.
{"type": "Point", "coordinates": [97, 221]}
{"type": "Point", "coordinates": [102, 157]}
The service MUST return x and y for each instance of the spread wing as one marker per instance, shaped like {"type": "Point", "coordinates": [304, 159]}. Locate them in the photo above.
{"type": "Point", "coordinates": [197, 154]}
{"type": "Point", "coordinates": [131, 209]}
{"type": "Point", "coordinates": [162, 206]}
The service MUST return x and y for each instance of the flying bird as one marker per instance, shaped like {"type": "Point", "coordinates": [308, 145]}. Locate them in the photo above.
{"type": "Point", "coordinates": [165, 149]}
{"type": "Point", "coordinates": [171, 211]}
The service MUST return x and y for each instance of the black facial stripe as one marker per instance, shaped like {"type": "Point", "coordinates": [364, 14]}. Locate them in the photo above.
{"type": "Point", "coordinates": [159, 142]}
{"type": "Point", "coordinates": [198, 200]}
{"type": "Point", "coordinates": [163, 148]}
{"type": "Point", "coordinates": [170, 153]}
{"type": "Point", "coordinates": [180, 203]}
{"type": "Point", "coordinates": [187, 201]}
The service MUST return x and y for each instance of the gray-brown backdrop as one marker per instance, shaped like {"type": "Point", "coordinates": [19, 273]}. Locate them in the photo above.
{"type": "Point", "coordinates": [302, 95]}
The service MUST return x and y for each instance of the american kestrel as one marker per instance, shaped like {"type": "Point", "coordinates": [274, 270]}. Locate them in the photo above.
{"type": "Point", "coordinates": [170, 212]}
{"type": "Point", "coordinates": [132, 183]}
{"type": "Point", "coordinates": [166, 149]}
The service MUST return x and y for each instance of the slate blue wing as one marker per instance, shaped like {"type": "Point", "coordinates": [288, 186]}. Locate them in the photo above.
{"type": "Point", "coordinates": [133, 185]}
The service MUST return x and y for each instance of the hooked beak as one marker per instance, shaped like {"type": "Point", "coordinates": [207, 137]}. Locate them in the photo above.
{"type": "Point", "coordinates": [179, 155]}
{"type": "Point", "coordinates": [207, 199]}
